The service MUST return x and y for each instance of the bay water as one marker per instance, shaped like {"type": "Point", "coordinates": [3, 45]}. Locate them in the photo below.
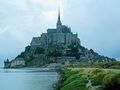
{"type": "Point", "coordinates": [27, 79]}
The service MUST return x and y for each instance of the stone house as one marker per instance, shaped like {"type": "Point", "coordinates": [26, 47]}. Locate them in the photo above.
{"type": "Point", "coordinates": [18, 62]}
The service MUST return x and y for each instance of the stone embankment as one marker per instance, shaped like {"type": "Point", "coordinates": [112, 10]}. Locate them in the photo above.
{"type": "Point", "coordinates": [57, 86]}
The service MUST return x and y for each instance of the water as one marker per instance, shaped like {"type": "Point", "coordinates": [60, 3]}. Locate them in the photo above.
{"type": "Point", "coordinates": [27, 79]}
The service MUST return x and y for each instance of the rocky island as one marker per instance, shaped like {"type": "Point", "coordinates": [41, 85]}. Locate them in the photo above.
{"type": "Point", "coordinates": [57, 47]}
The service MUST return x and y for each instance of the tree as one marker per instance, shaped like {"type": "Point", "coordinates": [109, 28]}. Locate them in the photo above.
{"type": "Point", "coordinates": [39, 50]}
{"type": "Point", "coordinates": [92, 51]}
{"type": "Point", "coordinates": [21, 55]}
{"type": "Point", "coordinates": [55, 53]}
{"type": "Point", "coordinates": [27, 48]}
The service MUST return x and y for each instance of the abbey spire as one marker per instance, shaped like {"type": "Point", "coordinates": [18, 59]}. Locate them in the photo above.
{"type": "Point", "coordinates": [59, 21]}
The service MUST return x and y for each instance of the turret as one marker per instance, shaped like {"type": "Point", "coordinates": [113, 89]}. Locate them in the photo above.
{"type": "Point", "coordinates": [7, 63]}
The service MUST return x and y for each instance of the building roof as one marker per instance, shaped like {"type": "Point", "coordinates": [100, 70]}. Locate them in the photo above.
{"type": "Point", "coordinates": [59, 21]}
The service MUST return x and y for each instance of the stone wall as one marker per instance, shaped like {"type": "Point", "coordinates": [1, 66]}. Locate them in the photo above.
{"type": "Point", "coordinates": [53, 37]}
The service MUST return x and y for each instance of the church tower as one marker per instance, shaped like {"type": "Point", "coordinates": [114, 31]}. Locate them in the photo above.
{"type": "Point", "coordinates": [59, 24]}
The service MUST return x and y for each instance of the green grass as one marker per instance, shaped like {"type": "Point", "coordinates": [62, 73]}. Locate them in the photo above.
{"type": "Point", "coordinates": [71, 78]}
{"type": "Point", "coordinates": [76, 78]}
{"type": "Point", "coordinates": [76, 84]}
{"type": "Point", "coordinates": [110, 65]}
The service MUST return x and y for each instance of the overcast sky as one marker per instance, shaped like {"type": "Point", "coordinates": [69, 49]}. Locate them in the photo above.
{"type": "Point", "coordinates": [97, 23]}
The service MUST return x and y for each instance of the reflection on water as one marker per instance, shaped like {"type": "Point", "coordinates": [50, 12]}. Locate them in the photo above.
{"type": "Point", "coordinates": [27, 79]}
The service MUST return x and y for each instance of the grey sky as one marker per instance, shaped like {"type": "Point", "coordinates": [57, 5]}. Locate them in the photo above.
{"type": "Point", "coordinates": [97, 23]}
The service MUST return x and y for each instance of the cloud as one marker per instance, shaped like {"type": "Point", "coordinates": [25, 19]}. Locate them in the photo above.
{"type": "Point", "coordinates": [21, 20]}
{"type": "Point", "coordinates": [97, 23]}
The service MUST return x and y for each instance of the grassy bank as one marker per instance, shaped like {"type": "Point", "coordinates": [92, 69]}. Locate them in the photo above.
{"type": "Point", "coordinates": [102, 79]}
{"type": "Point", "coordinates": [108, 65]}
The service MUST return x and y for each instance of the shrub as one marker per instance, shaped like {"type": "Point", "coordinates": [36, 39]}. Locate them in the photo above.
{"type": "Point", "coordinates": [112, 81]}
{"type": "Point", "coordinates": [97, 74]}
{"type": "Point", "coordinates": [96, 82]}
{"type": "Point", "coordinates": [96, 71]}
{"type": "Point", "coordinates": [39, 50]}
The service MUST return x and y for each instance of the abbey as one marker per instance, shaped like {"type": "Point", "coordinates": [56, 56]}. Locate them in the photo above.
{"type": "Point", "coordinates": [57, 46]}
{"type": "Point", "coordinates": [61, 35]}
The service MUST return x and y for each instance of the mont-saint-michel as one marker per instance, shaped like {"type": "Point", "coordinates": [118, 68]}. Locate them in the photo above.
{"type": "Point", "coordinates": [58, 47]}
{"type": "Point", "coordinates": [60, 44]}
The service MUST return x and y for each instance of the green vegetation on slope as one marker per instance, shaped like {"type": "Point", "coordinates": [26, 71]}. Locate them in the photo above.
{"type": "Point", "coordinates": [72, 81]}
{"type": "Point", "coordinates": [110, 65]}
{"type": "Point", "coordinates": [76, 79]}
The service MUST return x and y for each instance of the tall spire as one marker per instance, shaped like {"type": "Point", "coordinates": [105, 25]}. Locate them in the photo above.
{"type": "Point", "coordinates": [59, 21]}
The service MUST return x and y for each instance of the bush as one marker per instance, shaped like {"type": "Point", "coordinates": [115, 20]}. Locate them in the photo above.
{"type": "Point", "coordinates": [114, 64]}
{"type": "Point", "coordinates": [97, 74]}
{"type": "Point", "coordinates": [96, 71]}
{"type": "Point", "coordinates": [96, 82]}
{"type": "Point", "coordinates": [76, 79]}
{"type": "Point", "coordinates": [39, 50]}
{"type": "Point", "coordinates": [112, 81]}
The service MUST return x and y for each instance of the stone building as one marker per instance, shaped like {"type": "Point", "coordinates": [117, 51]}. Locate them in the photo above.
{"type": "Point", "coordinates": [58, 46]}
{"type": "Point", "coordinates": [7, 64]}
{"type": "Point", "coordinates": [61, 35]}
{"type": "Point", "coordinates": [18, 62]}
